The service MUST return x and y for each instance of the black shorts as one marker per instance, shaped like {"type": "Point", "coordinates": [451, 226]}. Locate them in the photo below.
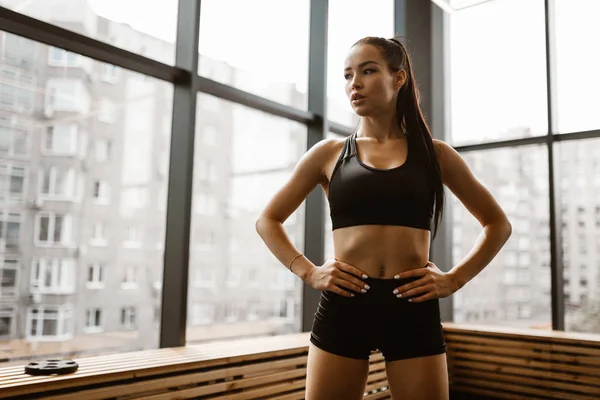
{"type": "Point", "coordinates": [378, 320]}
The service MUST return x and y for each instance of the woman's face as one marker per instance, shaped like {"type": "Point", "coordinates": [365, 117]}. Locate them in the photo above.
{"type": "Point", "coordinates": [370, 86]}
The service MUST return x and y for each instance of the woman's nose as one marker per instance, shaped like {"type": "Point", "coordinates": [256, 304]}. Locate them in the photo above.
{"type": "Point", "coordinates": [356, 83]}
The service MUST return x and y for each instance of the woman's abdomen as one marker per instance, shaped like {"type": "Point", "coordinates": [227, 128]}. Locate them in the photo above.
{"type": "Point", "coordinates": [382, 251]}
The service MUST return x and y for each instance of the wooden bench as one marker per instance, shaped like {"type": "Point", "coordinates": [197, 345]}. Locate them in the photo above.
{"type": "Point", "coordinates": [501, 363]}
{"type": "Point", "coordinates": [259, 368]}
{"type": "Point", "coordinates": [523, 363]}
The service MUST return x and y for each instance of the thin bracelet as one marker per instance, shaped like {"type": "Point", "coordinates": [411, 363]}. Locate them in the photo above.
{"type": "Point", "coordinates": [294, 259]}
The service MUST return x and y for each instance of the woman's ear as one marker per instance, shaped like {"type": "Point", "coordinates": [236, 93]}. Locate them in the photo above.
{"type": "Point", "coordinates": [400, 78]}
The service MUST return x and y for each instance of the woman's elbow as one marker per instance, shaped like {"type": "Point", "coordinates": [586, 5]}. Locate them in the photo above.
{"type": "Point", "coordinates": [506, 228]}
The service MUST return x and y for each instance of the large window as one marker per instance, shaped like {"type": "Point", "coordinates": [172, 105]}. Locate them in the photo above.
{"type": "Point", "coordinates": [349, 21]}
{"type": "Point", "coordinates": [497, 72]}
{"type": "Point", "coordinates": [80, 188]}
{"type": "Point", "coordinates": [119, 23]}
{"type": "Point", "coordinates": [254, 150]}
{"type": "Point", "coordinates": [514, 289]}
{"type": "Point", "coordinates": [265, 54]}
{"type": "Point", "coordinates": [577, 78]}
{"type": "Point", "coordinates": [579, 183]}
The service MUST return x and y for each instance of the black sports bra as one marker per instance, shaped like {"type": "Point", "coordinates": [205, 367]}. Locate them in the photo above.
{"type": "Point", "coordinates": [364, 195]}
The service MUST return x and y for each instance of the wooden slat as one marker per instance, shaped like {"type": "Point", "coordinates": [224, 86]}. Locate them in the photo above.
{"type": "Point", "coordinates": [180, 380]}
{"type": "Point", "coordinates": [495, 394]}
{"type": "Point", "coordinates": [503, 369]}
{"type": "Point", "coordinates": [548, 384]}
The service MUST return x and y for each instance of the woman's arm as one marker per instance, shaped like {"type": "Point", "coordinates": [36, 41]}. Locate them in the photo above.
{"type": "Point", "coordinates": [308, 173]}
{"type": "Point", "coordinates": [457, 176]}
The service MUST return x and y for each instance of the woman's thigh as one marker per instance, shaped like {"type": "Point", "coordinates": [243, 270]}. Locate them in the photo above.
{"type": "Point", "coordinates": [419, 378]}
{"type": "Point", "coordinates": [330, 376]}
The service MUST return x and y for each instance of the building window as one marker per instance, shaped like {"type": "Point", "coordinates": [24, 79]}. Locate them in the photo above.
{"type": "Point", "coordinates": [19, 51]}
{"type": "Point", "coordinates": [231, 312]}
{"type": "Point", "coordinates": [12, 182]}
{"type": "Point", "coordinates": [53, 229]}
{"type": "Point", "coordinates": [49, 322]}
{"type": "Point", "coordinates": [16, 90]}
{"type": "Point", "coordinates": [130, 278]}
{"type": "Point", "coordinates": [63, 58]}
{"type": "Point", "coordinates": [58, 183]}
{"type": "Point", "coordinates": [205, 277]}
{"type": "Point", "coordinates": [93, 320]}
{"type": "Point", "coordinates": [61, 139]}
{"type": "Point", "coordinates": [68, 95]}
{"type": "Point", "coordinates": [133, 238]}
{"type": "Point", "coordinates": [10, 231]}
{"type": "Point", "coordinates": [95, 276]}
{"type": "Point", "coordinates": [101, 192]}
{"type": "Point", "coordinates": [109, 73]}
{"type": "Point", "coordinates": [234, 276]}
{"type": "Point", "coordinates": [128, 317]}
{"type": "Point", "coordinates": [202, 314]}
{"type": "Point", "coordinates": [99, 238]}
{"type": "Point", "coordinates": [107, 112]}
{"type": "Point", "coordinates": [205, 240]}
{"type": "Point", "coordinates": [102, 150]}
{"type": "Point", "coordinates": [7, 317]}
{"type": "Point", "coordinates": [53, 276]}
{"type": "Point", "coordinates": [9, 269]}
{"type": "Point", "coordinates": [13, 139]}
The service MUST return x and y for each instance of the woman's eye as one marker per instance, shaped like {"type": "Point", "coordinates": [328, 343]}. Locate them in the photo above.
{"type": "Point", "coordinates": [368, 71]}
{"type": "Point", "coordinates": [347, 76]}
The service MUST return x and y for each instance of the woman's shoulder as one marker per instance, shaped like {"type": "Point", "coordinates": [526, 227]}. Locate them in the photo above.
{"type": "Point", "coordinates": [326, 148]}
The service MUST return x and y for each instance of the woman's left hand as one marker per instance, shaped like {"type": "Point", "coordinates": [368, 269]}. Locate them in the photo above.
{"type": "Point", "coordinates": [434, 284]}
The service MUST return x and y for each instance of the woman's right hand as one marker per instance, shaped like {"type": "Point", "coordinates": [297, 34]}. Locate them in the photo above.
{"type": "Point", "coordinates": [338, 277]}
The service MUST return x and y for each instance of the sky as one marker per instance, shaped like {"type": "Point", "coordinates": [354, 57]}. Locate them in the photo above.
{"type": "Point", "coordinates": [497, 56]}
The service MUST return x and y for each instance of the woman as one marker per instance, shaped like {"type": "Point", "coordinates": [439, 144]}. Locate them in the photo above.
{"type": "Point", "coordinates": [384, 184]}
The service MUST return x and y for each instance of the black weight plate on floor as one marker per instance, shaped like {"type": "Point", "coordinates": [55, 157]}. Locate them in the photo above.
{"type": "Point", "coordinates": [51, 367]}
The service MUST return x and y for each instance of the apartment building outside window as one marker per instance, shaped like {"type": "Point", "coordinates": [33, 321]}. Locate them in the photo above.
{"type": "Point", "coordinates": [9, 271]}
{"type": "Point", "coordinates": [56, 276]}
{"type": "Point", "coordinates": [95, 276]}
{"type": "Point", "coordinates": [128, 317]}
{"type": "Point", "coordinates": [48, 322]}
{"type": "Point", "coordinates": [12, 182]}
{"type": "Point", "coordinates": [10, 230]}
{"type": "Point", "coordinates": [53, 229]}
{"type": "Point", "coordinates": [13, 137]}
{"type": "Point", "coordinates": [61, 139]}
{"type": "Point", "coordinates": [93, 320]}
{"type": "Point", "coordinates": [58, 183]}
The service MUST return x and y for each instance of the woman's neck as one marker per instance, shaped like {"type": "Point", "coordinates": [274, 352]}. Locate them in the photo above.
{"type": "Point", "coordinates": [380, 129]}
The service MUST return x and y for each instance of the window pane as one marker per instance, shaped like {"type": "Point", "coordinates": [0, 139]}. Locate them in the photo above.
{"type": "Point", "coordinates": [118, 22]}
{"type": "Point", "coordinates": [254, 150]}
{"type": "Point", "coordinates": [139, 137]}
{"type": "Point", "coordinates": [344, 30]}
{"type": "Point", "coordinates": [580, 221]}
{"type": "Point", "coordinates": [5, 323]}
{"type": "Point", "coordinates": [577, 78]}
{"type": "Point", "coordinates": [264, 53]}
{"type": "Point", "coordinates": [514, 289]}
{"type": "Point", "coordinates": [498, 75]}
